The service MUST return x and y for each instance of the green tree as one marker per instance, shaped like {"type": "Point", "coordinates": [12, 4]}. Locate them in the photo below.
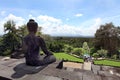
{"type": "Point", "coordinates": [68, 48]}
{"type": "Point", "coordinates": [78, 51]}
{"type": "Point", "coordinates": [10, 40]}
{"type": "Point", "coordinates": [56, 46]}
{"type": "Point", "coordinates": [114, 56]}
{"type": "Point", "coordinates": [39, 33]}
{"type": "Point", "coordinates": [11, 37]}
{"type": "Point", "coordinates": [22, 31]}
{"type": "Point", "coordinates": [107, 37]}
{"type": "Point", "coordinates": [95, 55]}
{"type": "Point", "coordinates": [102, 53]}
{"type": "Point", "coordinates": [86, 48]}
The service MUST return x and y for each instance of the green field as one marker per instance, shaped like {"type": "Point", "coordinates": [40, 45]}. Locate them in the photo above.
{"type": "Point", "coordinates": [68, 57]}
{"type": "Point", "coordinates": [107, 63]}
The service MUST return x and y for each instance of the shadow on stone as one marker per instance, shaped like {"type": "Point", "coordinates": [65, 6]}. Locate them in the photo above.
{"type": "Point", "coordinates": [4, 78]}
{"type": "Point", "coordinates": [60, 65]}
{"type": "Point", "coordinates": [23, 69]}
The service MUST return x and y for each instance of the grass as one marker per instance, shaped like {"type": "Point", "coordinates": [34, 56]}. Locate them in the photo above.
{"type": "Point", "coordinates": [107, 63]}
{"type": "Point", "coordinates": [68, 57]}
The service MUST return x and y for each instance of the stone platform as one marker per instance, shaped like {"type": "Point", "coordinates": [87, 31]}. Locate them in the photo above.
{"type": "Point", "coordinates": [16, 69]}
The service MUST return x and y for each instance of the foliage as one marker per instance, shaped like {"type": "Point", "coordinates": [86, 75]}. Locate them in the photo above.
{"type": "Point", "coordinates": [107, 37]}
{"type": "Point", "coordinates": [9, 26]}
{"type": "Point", "coordinates": [56, 46]}
{"type": "Point", "coordinates": [86, 48]}
{"type": "Point", "coordinates": [114, 56]}
{"type": "Point", "coordinates": [95, 55]}
{"type": "Point", "coordinates": [22, 31]}
{"type": "Point", "coordinates": [102, 53]}
{"type": "Point", "coordinates": [10, 40]}
{"type": "Point", "coordinates": [68, 57]}
{"type": "Point", "coordinates": [77, 51]}
{"type": "Point", "coordinates": [92, 50]}
{"type": "Point", "coordinates": [75, 41]}
{"type": "Point", "coordinates": [68, 48]}
{"type": "Point", "coordinates": [7, 52]}
{"type": "Point", "coordinates": [39, 33]}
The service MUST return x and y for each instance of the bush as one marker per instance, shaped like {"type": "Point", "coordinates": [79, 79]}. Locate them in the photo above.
{"type": "Point", "coordinates": [102, 53]}
{"type": "Point", "coordinates": [77, 51]}
{"type": "Point", "coordinates": [7, 52]}
{"type": "Point", "coordinates": [93, 50]}
{"type": "Point", "coordinates": [95, 55]}
{"type": "Point", "coordinates": [56, 47]}
{"type": "Point", "coordinates": [68, 48]}
{"type": "Point", "coordinates": [114, 56]}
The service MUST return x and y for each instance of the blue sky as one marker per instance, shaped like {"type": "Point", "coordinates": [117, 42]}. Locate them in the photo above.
{"type": "Point", "coordinates": [62, 17]}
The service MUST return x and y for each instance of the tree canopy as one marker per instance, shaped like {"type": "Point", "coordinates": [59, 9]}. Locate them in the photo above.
{"type": "Point", "coordinates": [107, 37]}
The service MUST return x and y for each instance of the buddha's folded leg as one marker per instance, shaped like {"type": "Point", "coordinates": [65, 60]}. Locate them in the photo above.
{"type": "Point", "coordinates": [43, 61]}
{"type": "Point", "coordinates": [47, 60]}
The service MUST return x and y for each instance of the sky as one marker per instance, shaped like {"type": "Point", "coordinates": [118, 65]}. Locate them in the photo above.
{"type": "Point", "coordinates": [61, 17]}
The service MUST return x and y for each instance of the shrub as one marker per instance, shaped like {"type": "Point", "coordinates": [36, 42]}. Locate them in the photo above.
{"type": "Point", "coordinates": [56, 47]}
{"type": "Point", "coordinates": [7, 52]}
{"type": "Point", "coordinates": [77, 51]}
{"type": "Point", "coordinates": [95, 55]}
{"type": "Point", "coordinates": [68, 48]}
{"type": "Point", "coordinates": [114, 56]}
{"type": "Point", "coordinates": [102, 53]}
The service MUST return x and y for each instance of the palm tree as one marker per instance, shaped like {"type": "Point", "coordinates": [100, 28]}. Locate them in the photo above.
{"type": "Point", "coordinates": [10, 26]}
{"type": "Point", "coordinates": [11, 35]}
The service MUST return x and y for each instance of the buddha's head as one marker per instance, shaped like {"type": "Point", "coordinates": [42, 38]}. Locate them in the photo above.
{"type": "Point", "coordinates": [32, 26]}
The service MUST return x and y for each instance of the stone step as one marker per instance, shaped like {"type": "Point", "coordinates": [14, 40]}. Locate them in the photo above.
{"type": "Point", "coordinates": [87, 66]}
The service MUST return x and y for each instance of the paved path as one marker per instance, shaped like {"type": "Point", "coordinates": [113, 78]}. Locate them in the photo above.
{"type": "Point", "coordinates": [87, 66]}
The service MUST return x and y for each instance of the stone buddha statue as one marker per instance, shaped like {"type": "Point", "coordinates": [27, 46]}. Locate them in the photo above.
{"type": "Point", "coordinates": [32, 45]}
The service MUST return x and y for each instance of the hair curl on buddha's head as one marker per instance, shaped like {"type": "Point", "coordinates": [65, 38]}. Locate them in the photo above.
{"type": "Point", "coordinates": [32, 25]}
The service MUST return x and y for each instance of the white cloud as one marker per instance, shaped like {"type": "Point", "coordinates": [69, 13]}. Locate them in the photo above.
{"type": "Point", "coordinates": [63, 30]}
{"type": "Point", "coordinates": [18, 20]}
{"type": "Point", "coordinates": [89, 27]}
{"type": "Point", "coordinates": [78, 15]}
{"type": "Point", "coordinates": [46, 18]}
{"type": "Point", "coordinates": [1, 27]}
{"type": "Point", "coordinates": [56, 27]}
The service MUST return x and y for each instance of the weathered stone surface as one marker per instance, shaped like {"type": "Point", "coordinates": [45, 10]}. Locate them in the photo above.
{"type": "Point", "coordinates": [6, 71]}
{"type": "Point", "coordinates": [17, 70]}
{"type": "Point", "coordinates": [95, 68]}
{"type": "Point", "coordinates": [93, 77]}
{"type": "Point", "coordinates": [104, 73]}
{"type": "Point", "coordinates": [40, 77]}
{"type": "Point", "coordinates": [110, 78]}
{"type": "Point", "coordinates": [106, 68]}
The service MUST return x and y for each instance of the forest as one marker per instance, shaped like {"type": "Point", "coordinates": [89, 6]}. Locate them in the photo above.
{"type": "Point", "coordinates": [105, 43]}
